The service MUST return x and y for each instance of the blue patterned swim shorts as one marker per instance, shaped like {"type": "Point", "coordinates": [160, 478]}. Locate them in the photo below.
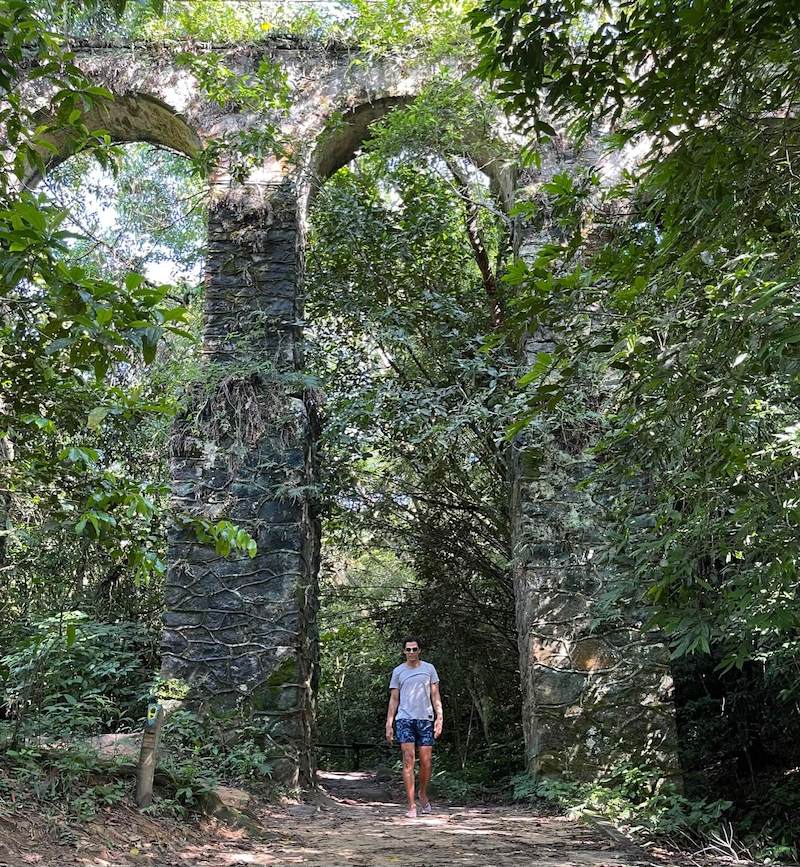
{"type": "Point", "coordinates": [415, 731]}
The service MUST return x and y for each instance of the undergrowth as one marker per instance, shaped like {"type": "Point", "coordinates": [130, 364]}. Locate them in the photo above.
{"type": "Point", "coordinates": [66, 679]}
{"type": "Point", "coordinates": [70, 780]}
{"type": "Point", "coordinates": [198, 754]}
{"type": "Point", "coordinates": [218, 748]}
{"type": "Point", "coordinates": [631, 798]}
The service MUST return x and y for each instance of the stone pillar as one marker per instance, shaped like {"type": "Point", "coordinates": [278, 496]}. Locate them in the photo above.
{"type": "Point", "coordinates": [241, 631]}
{"type": "Point", "coordinates": [595, 695]}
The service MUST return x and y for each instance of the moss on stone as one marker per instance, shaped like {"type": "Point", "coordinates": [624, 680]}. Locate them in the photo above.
{"type": "Point", "coordinates": [269, 696]}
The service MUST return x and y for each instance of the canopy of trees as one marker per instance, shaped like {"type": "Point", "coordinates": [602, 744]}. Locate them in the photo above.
{"type": "Point", "coordinates": [671, 300]}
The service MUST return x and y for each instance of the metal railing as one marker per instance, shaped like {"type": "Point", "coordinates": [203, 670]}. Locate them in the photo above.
{"type": "Point", "coordinates": [356, 749]}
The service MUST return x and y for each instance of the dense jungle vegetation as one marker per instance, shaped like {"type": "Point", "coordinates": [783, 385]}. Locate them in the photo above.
{"type": "Point", "coordinates": [671, 302]}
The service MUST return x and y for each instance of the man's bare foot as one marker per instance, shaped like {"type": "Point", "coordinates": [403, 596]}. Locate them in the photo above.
{"type": "Point", "coordinates": [411, 813]}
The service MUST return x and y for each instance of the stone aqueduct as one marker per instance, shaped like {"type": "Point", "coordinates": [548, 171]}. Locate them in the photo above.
{"type": "Point", "coordinates": [244, 630]}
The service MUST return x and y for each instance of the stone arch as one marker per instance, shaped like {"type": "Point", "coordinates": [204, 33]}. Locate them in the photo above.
{"type": "Point", "coordinates": [130, 117]}
{"type": "Point", "coordinates": [337, 146]}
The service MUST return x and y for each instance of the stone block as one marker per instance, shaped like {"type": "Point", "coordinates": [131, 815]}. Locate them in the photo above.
{"type": "Point", "coordinates": [555, 687]}
{"type": "Point", "coordinates": [552, 653]}
{"type": "Point", "coordinates": [593, 654]}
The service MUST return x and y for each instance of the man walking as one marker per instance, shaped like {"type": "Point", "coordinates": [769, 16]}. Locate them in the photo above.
{"type": "Point", "coordinates": [413, 697]}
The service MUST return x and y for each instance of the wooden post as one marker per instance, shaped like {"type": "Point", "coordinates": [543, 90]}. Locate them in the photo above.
{"type": "Point", "coordinates": [149, 754]}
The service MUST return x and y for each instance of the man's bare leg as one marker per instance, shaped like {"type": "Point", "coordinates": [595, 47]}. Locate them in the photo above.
{"type": "Point", "coordinates": [408, 775]}
{"type": "Point", "coordinates": [425, 764]}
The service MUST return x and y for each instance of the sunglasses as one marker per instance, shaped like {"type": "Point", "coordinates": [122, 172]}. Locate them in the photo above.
{"type": "Point", "coordinates": [410, 650]}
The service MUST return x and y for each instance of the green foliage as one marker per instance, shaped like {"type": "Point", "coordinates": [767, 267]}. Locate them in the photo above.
{"type": "Point", "coordinates": [265, 93]}
{"type": "Point", "coordinates": [73, 338]}
{"type": "Point", "coordinates": [223, 21]}
{"type": "Point", "coordinates": [453, 787]}
{"type": "Point", "coordinates": [210, 21]}
{"type": "Point", "coordinates": [375, 26]}
{"type": "Point", "coordinates": [700, 416]}
{"type": "Point", "coordinates": [445, 120]}
{"type": "Point", "coordinates": [261, 90]}
{"type": "Point", "coordinates": [738, 740]}
{"type": "Point", "coordinates": [438, 27]}
{"type": "Point", "coordinates": [71, 779]}
{"type": "Point", "coordinates": [691, 304]}
{"type": "Point", "coordinates": [203, 750]}
{"type": "Point", "coordinates": [628, 796]}
{"type": "Point", "coordinates": [145, 214]}
{"type": "Point", "coordinates": [70, 675]}
{"type": "Point", "coordinates": [226, 537]}
{"type": "Point", "coordinates": [414, 479]}
{"type": "Point", "coordinates": [355, 658]}
{"type": "Point", "coordinates": [657, 66]}
{"type": "Point", "coordinates": [479, 774]}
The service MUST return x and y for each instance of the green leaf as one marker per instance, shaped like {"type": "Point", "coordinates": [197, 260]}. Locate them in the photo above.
{"type": "Point", "coordinates": [150, 338]}
{"type": "Point", "coordinates": [38, 421]}
{"type": "Point", "coordinates": [96, 417]}
{"type": "Point", "coordinates": [540, 366]}
{"type": "Point", "coordinates": [544, 128]}
{"type": "Point", "coordinates": [133, 281]}
{"type": "Point", "coordinates": [100, 367]}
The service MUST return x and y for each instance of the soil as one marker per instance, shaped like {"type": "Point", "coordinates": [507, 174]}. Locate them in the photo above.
{"type": "Point", "coordinates": [354, 821]}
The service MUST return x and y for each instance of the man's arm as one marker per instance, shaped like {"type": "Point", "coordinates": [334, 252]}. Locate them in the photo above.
{"type": "Point", "coordinates": [437, 706]}
{"type": "Point", "coordinates": [394, 701]}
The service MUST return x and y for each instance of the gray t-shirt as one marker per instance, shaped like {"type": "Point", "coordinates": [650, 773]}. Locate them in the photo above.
{"type": "Point", "coordinates": [415, 690]}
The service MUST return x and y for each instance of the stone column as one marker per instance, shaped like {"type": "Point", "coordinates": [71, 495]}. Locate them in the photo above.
{"type": "Point", "coordinates": [595, 695]}
{"type": "Point", "coordinates": [241, 631]}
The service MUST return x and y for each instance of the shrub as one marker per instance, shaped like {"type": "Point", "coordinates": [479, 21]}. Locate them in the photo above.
{"type": "Point", "coordinates": [630, 796]}
{"type": "Point", "coordinates": [70, 675]}
{"type": "Point", "coordinates": [71, 778]}
{"type": "Point", "coordinates": [204, 750]}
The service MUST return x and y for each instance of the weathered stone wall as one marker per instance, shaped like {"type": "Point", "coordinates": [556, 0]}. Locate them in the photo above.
{"type": "Point", "coordinates": [241, 630]}
{"type": "Point", "coordinates": [595, 695]}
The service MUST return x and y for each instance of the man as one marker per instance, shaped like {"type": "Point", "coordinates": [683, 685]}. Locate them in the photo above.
{"type": "Point", "coordinates": [413, 697]}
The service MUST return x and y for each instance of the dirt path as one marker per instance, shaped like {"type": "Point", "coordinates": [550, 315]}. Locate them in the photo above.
{"type": "Point", "coordinates": [358, 822]}
{"type": "Point", "coordinates": [364, 825]}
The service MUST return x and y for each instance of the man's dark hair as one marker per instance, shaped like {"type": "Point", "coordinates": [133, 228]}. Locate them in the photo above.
{"type": "Point", "coordinates": [412, 639]}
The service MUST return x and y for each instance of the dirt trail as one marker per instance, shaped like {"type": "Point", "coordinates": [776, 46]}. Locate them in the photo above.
{"type": "Point", "coordinates": [365, 826]}
{"type": "Point", "coordinates": [357, 822]}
